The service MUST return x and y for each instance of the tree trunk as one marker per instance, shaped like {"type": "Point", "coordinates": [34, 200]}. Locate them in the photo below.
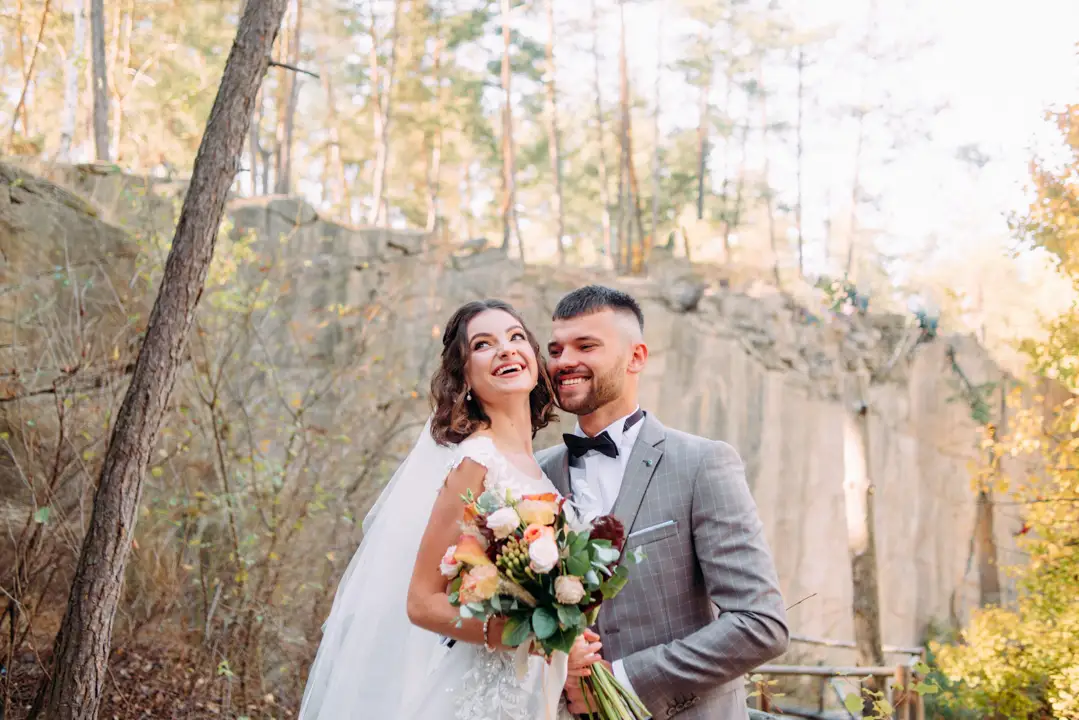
{"type": "Point", "coordinates": [289, 52]}
{"type": "Point", "coordinates": [553, 144]}
{"type": "Point", "coordinates": [859, 492]}
{"type": "Point", "coordinates": [625, 192]}
{"type": "Point", "coordinates": [72, 66]}
{"type": "Point", "coordinates": [101, 85]}
{"type": "Point", "coordinates": [798, 205]}
{"type": "Point", "coordinates": [22, 50]}
{"type": "Point", "coordinates": [254, 143]}
{"type": "Point", "coordinates": [434, 166]}
{"type": "Point", "coordinates": [27, 78]}
{"type": "Point", "coordinates": [382, 99]}
{"type": "Point", "coordinates": [703, 121]}
{"type": "Point", "coordinates": [335, 160]}
{"type": "Point", "coordinates": [604, 183]}
{"type": "Point", "coordinates": [986, 550]}
{"type": "Point", "coordinates": [733, 218]}
{"type": "Point", "coordinates": [855, 196]}
{"type": "Point", "coordinates": [509, 182]}
{"type": "Point", "coordinates": [73, 688]}
{"type": "Point", "coordinates": [467, 200]}
{"type": "Point", "coordinates": [291, 83]}
{"type": "Point", "coordinates": [985, 538]}
{"type": "Point", "coordinates": [861, 112]}
{"type": "Point", "coordinates": [769, 201]}
{"type": "Point", "coordinates": [120, 62]}
{"type": "Point", "coordinates": [280, 105]}
{"type": "Point", "coordinates": [728, 141]}
{"type": "Point", "coordinates": [655, 131]}
{"type": "Point", "coordinates": [636, 256]}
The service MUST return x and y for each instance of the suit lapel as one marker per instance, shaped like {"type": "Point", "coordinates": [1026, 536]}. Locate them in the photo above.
{"type": "Point", "coordinates": [558, 470]}
{"type": "Point", "coordinates": [641, 467]}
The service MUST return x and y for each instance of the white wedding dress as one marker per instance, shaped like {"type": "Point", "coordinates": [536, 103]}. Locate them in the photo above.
{"type": "Point", "coordinates": [373, 663]}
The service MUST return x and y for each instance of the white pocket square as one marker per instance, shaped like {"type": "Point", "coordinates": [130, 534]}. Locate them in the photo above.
{"type": "Point", "coordinates": [651, 528]}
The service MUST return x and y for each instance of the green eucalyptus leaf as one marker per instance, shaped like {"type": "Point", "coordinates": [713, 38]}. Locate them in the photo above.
{"type": "Point", "coordinates": [578, 565]}
{"type": "Point", "coordinates": [544, 624]}
{"type": "Point", "coordinates": [570, 615]}
{"type": "Point", "coordinates": [516, 631]}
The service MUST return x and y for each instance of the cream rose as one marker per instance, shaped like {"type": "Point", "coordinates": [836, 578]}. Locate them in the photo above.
{"type": "Point", "coordinates": [449, 567]}
{"type": "Point", "coordinates": [479, 584]}
{"type": "Point", "coordinates": [568, 589]}
{"type": "Point", "coordinates": [544, 554]}
{"type": "Point", "coordinates": [503, 522]}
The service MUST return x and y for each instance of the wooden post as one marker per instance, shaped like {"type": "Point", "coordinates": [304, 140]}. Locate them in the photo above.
{"type": "Point", "coordinates": [901, 692]}
{"type": "Point", "coordinates": [763, 703]}
{"type": "Point", "coordinates": [919, 701]}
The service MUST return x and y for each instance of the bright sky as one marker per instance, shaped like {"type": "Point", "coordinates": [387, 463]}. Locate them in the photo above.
{"type": "Point", "coordinates": [997, 65]}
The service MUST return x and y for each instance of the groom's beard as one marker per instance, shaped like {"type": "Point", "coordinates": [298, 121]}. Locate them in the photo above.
{"type": "Point", "coordinates": [602, 389]}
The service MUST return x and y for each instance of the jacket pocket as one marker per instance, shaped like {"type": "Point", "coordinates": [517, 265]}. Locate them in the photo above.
{"type": "Point", "coordinates": [652, 533]}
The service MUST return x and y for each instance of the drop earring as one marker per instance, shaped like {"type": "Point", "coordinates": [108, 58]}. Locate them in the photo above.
{"type": "Point", "coordinates": [468, 396]}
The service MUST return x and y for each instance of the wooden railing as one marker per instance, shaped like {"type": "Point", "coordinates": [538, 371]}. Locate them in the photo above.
{"type": "Point", "coordinates": [907, 703]}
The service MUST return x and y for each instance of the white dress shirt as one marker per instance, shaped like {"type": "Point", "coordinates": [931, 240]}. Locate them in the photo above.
{"type": "Point", "coordinates": [596, 482]}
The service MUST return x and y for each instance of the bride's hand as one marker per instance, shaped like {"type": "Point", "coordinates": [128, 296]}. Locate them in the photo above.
{"type": "Point", "coordinates": [584, 654]}
{"type": "Point", "coordinates": [494, 633]}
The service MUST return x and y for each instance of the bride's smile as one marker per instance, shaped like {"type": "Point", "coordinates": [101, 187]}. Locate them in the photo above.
{"type": "Point", "coordinates": [501, 359]}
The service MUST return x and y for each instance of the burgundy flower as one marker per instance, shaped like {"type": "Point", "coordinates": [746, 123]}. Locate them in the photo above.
{"type": "Point", "coordinates": [608, 527]}
{"type": "Point", "coordinates": [492, 544]}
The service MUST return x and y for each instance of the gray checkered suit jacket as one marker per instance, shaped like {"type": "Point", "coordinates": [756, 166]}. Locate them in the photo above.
{"type": "Point", "coordinates": [704, 608]}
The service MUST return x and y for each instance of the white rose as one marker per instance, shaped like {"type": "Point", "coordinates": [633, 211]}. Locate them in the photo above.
{"type": "Point", "coordinates": [568, 589]}
{"type": "Point", "coordinates": [503, 521]}
{"type": "Point", "coordinates": [544, 554]}
{"type": "Point", "coordinates": [449, 567]}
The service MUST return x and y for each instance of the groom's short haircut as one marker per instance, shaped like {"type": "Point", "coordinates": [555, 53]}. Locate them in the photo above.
{"type": "Point", "coordinates": [594, 298]}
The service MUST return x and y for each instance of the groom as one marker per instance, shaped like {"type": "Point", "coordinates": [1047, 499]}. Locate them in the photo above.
{"type": "Point", "coordinates": [704, 608]}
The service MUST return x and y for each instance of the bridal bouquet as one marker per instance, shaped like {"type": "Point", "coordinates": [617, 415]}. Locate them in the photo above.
{"type": "Point", "coordinates": [529, 561]}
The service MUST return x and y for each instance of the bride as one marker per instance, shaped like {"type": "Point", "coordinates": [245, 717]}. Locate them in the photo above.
{"type": "Point", "coordinates": [384, 649]}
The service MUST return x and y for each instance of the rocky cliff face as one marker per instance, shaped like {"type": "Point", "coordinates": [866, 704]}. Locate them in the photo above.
{"type": "Point", "coordinates": [729, 360]}
{"type": "Point", "coordinates": [748, 366]}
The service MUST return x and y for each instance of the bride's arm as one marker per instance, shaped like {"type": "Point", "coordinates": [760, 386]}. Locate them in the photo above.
{"type": "Point", "coordinates": [428, 604]}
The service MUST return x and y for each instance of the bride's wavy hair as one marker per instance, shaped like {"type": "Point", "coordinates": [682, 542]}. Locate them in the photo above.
{"type": "Point", "coordinates": [455, 417]}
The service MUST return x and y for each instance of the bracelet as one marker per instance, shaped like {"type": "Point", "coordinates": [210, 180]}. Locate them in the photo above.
{"type": "Point", "coordinates": [486, 628]}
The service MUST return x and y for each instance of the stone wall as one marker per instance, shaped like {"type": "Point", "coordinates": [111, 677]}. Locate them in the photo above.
{"type": "Point", "coordinates": [748, 367]}
{"type": "Point", "coordinates": [730, 359]}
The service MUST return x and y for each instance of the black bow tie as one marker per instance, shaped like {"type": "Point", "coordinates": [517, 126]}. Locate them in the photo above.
{"type": "Point", "coordinates": [578, 445]}
{"type": "Point", "coordinates": [603, 443]}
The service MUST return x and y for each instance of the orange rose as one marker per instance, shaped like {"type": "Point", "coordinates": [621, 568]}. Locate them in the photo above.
{"type": "Point", "coordinates": [471, 552]}
{"type": "Point", "coordinates": [479, 584]}
{"type": "Point", "coordinates": [535, 531]}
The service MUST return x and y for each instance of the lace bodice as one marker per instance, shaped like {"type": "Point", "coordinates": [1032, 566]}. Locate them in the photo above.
{"type": "Point", "coordinates": [502, 475]}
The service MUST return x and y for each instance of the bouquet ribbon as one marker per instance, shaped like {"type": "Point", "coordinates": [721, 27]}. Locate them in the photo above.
{"type": "Point", "coordinates": [555, 672]}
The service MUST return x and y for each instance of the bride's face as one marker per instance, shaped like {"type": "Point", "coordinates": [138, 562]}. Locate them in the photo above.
{"type": "Point", "coordinates": [501, 360]}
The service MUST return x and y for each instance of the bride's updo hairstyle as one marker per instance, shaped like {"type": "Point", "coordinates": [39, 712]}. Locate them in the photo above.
{"type": "Point", "coordinates": [455, 417]}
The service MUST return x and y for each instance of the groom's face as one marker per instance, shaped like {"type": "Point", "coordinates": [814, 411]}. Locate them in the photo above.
{"type": "Point", "coordinates": [589, 356]}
